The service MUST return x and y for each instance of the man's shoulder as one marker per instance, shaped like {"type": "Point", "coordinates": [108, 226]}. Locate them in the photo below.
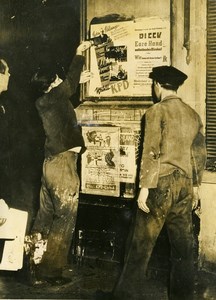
{"type": "Point", "coordinates": [190, 109]}
{"type": "Point", "coordinates": [42, 101]}
{"type": "Point", "coordinates": [179, 102]}
{"type": "Point", "coordinates": [189, 112]}
{"type": "Point", "coordinates": [154, 108]}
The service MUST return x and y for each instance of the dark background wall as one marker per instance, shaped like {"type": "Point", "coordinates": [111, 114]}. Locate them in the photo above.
{"type": "Point", "coordinates": [32, 32]}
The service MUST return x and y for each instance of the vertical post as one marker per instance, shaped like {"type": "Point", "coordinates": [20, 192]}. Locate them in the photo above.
{"type": "Point", "coordinates": [187, 29]}
{"type": "Point", "coordinates": [172, 31]}
{"type": "Point", "coordinates": [83, 36]}
{"type": "Point", "coordinates": [83, 17]}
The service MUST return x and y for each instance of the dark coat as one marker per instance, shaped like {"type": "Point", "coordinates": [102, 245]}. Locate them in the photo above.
{"type": "Point", "coordinates": [58, 115]}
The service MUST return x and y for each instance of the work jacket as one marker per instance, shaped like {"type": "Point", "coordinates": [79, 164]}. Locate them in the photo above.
{"type": "Point", "coordinates": [173, 139]}
{"type": "Point", "coordinates": [58, 115]}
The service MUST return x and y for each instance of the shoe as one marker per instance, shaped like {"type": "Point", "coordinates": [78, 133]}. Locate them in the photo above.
{"type": "Point", "coordinates": [58, 280]}
{"type": "Point", "coordinates": [40, 283]}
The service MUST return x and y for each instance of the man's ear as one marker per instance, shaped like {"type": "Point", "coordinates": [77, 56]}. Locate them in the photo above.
{"type": "Point", "coordinates": [158, 84]}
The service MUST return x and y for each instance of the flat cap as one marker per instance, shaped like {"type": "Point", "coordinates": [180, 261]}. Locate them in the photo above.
{"type": "Point", "coordinates": [168, 75]}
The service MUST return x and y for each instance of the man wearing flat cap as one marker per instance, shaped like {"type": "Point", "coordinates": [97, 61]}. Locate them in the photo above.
{"type": "Point", "coordinates": [172, 162]}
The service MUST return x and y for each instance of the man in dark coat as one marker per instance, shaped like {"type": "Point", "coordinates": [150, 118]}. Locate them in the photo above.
{"type": "Point", "coordinates": [172, 164]}
{"type": "Point", "coordinates": [4, 77]}
{"type": "Point", "coordinates": [4, 120]}
{"type": "Point", "coordinates": [56, 217]}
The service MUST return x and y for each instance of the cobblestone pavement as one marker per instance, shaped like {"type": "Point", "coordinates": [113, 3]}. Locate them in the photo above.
{"type": "Point", "coordinates": [89, 278]}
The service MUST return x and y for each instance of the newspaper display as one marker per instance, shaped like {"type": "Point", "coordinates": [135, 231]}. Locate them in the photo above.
{"type": "Point", "coordinates": [124, 54]}
{"type": "Point", "coordinates": [101, 161]}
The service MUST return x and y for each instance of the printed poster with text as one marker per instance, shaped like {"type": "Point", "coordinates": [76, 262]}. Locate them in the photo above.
{"type": "Point", "coordinates": [101, 160]}
{"type": "Point", "coordinates": [128, 145]}
{"type": "Point", "coordinates": [124, 55]}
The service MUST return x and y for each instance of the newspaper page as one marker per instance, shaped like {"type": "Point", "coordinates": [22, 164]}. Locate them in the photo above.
{"type": "Point", "coordinates": [100, 162]}
{"type": "Point", "coordinates": [151, 49]}
{"type": "Point", "coordinates": [13, 232]}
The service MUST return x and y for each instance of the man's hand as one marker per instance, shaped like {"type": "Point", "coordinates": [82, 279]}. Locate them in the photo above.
{"type": "Point", "coordinates": [83, 47]}
{"type": "Point", "coordinates": [4, 63]}
{"type": "Point", "coordinates": [85, 76]}
{"type": "Point", "coordinates": [142, 198]}
{"type": "Point", "coordinates": [196, 197]}
{"type": "Point", "coordinates": [4, 211]}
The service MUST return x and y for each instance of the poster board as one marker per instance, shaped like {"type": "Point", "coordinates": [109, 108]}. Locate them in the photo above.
{"type": "Point", "coordinates": [110, 159]}
{"type": "Point", "coordinates": [124, 54]}
{"type": "Point", "coordinates": [100, 162]}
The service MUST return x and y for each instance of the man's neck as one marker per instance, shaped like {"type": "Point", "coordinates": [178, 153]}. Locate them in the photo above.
{"type": "Point", "coordinates": [166, 93]}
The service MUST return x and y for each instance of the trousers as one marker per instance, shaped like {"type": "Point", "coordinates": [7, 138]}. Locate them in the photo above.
{"type": "Point", "coordinates": [170, 204]}
{"type": "Point", "coordinates": [56, 217]}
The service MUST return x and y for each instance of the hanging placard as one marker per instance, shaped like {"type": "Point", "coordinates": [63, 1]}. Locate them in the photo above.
{"type": "Point", "coordinates": [100, 162]}
{"type": "Point", "coordinates": [124, 55]}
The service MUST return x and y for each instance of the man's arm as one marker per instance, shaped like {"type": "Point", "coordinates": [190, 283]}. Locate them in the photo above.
{"type": "Point", "coordinates": [72, 80]}
{"type": "Point", "coordinates": [199, 155]}
{"type": "Point", "coordinates": [150, 160]}
{"type": "Point", "coordinates": [68, 87]}
{"type": "Point", "coordinates": [142, 198]}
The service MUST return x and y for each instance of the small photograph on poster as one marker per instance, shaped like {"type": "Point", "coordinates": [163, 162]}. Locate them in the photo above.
{"type": "Point", "coordinates": [116, 53]}
{"type": "Point", "coordinates": [101, 38]}
{"type": "Point", "coordinates": [109, 59]}
{"type": "Point", "coordinates": [100, 162]}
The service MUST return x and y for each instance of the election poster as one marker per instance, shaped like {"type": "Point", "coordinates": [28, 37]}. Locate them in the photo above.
{"type": "Point", "coordinates": [124, 54]}
{"type": "Point", "coordinates": [101, 161]}
{"type": "Point", "coordinates": [110, 159]}
{"type": "Point", "coordinates": [127, 155]}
